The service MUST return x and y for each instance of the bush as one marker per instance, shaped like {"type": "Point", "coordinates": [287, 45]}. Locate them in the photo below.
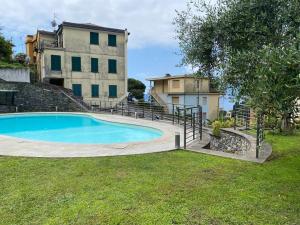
{"type": "Point", "coordinates": [217, 128]}
{"type": "Point", "coordinates": [272, 122]}
{"type": "Point", "coordinates": [228, 123]}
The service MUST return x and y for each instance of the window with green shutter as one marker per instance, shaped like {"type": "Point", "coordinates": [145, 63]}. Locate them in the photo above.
{"type": "Point", "coordinates": [94, 65]}
{"type": "Point", "coordinates": [55, 63]}
{"type": "Point", "coordinates": [112, 40]}
{"type": "Point", "coordinates": [95, 90]}
{"type": "Point", "coordinates": [77, 89]}
{"type": "Point", "coordinates": [112, 91]}
{"type": "Point", "coordinates": [94, 38]}
{"type": "Point", "coordinates": [112, 66]}
{"type": "Point", "coordinates": [76, 64]}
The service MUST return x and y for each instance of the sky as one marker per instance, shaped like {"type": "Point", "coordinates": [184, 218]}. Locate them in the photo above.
{"type": "Point", "coordinates": [152, 47]}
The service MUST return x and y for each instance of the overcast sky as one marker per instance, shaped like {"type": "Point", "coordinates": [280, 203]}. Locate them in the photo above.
{"type": "Point", "coordinates": [149, 21]}
{"type": "Point", "coordinates": [152, 47]}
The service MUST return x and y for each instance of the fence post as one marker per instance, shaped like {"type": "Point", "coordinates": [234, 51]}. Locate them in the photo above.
{"type": "Point", "coordinates": [200, 121]}
{"type": "Point", "coordinates": [151, 108]}
{"type": "Point", "coordinates": [122, 108]}
{"type": "Point", "coordinates": [178, 112]}
{"type": "Point", "coordinates": [257, 135]}
{"type": "Point", "coordinates": [191, 117]}
{"type": "Point", "coordinates": [193, 125]}
{"type": "Point", "coordinates": [184, 127]}
{"type": "Point", "coordinates": [143, 104]}
{"type": "Point", "coordinates": [173, 113]}
{"type": "Point", "coordinates": [234, 111]}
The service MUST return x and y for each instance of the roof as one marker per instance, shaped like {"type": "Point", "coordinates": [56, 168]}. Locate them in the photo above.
{"type": "Point", "coordinates": [90, 26]}
{"type": "Point", "coordinates": [45, 32]}
{"type": "Point", "coordinates": [168, 77]}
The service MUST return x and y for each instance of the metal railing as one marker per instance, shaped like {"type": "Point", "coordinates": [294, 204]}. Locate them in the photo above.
{"type": "Point", "coordinates": [190, 118]}
{"type": "Point", "coordinates": [249, 120]}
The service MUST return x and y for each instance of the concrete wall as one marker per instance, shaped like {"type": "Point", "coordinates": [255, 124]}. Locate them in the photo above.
{"type": "Point", "coordinates": [15, 75]}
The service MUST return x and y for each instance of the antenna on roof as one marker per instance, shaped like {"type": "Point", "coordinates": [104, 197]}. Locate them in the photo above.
{"type": "Point", "coordinates": [53, 22]}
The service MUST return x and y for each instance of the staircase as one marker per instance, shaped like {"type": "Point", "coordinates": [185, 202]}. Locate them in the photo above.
{"type": "Point", "coordinates": [159, 100]}
{"type": "Point", "coordinates": [68, 93]}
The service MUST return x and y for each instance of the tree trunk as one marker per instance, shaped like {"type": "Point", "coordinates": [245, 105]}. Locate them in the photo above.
{"type": "Point", "coordinates": [286, 123]}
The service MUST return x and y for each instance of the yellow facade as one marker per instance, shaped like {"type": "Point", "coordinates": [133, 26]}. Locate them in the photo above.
{"type": "Point", "coordinates": [186, 90]}
{"type": "Point", "coordinates": [73, 40]}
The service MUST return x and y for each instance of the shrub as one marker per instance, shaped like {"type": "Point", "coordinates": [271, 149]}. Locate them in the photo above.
{"type": "Point", "coordinates": [217, 128]}
{"type": "Point", "coordinates": [228, 123]}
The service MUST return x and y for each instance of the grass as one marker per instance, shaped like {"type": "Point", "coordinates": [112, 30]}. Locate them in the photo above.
{"type": "Point", "coordinates": [13, 65]}
{"type": "Point", "coordinates": [176, 187]}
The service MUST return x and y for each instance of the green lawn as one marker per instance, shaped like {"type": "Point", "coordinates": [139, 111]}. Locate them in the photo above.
{"type": "Point", "coordinates": [166, 188]}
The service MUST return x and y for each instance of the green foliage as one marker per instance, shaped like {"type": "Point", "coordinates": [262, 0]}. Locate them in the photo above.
{"type": "Point", "coordinates": [5, 49]}
{"type": "Point", "coordinates": [136, 88]}
{"type": "Point", "coordinates": [12, 65]}
{"type": "Point", "coordinates": [252, 46]}
{"type": "Point", "coordinates": [228, 123]}
{"type": "Point", "coordinates": [216, 125]}
{"type": "Point", "coordinates": [20, 58]}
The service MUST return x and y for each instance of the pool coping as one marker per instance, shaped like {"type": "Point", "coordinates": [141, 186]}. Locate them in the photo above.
{"type": "Point", "coordinates": [11, 146]}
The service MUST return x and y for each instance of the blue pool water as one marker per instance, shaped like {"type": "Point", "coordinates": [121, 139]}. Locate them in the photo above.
{"type": "Point", "coordinates": [68, 128]}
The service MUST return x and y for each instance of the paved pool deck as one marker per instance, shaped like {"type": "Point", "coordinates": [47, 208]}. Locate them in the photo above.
{"type": "Point", "coordinates": [10, 146]}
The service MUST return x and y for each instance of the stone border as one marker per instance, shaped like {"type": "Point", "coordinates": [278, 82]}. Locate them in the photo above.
{"type": "Point", "coordinates": [11, 146]}
{"type": "Point", "coordinates": [248, 155]}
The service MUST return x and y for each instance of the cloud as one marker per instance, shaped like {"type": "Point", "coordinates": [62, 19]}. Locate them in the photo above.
{"type": "Point", "coordinates": [149, 21]}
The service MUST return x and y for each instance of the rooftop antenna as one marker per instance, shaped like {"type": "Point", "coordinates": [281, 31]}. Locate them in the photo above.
{"type": "Point", "coordinates": [53, 22]}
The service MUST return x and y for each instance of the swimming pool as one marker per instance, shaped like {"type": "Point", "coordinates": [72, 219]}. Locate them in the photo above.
{"type": "Point", "coordinates": [72, 128]}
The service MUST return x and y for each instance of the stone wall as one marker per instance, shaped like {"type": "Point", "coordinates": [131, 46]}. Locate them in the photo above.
{"type": "Point", "coordinates": [38, 98]}
{"type": "Point", "coordinates": [15, 75]}
{"type": "Point", "coordinates": [230, 141]}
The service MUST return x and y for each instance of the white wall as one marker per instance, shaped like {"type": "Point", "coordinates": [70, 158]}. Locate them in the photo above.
{"type": "Point", "coordinates": [15, 75]}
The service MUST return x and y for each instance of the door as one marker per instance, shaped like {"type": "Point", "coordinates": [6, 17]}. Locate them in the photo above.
{"type": "Point", "coordinates": [77, 89]}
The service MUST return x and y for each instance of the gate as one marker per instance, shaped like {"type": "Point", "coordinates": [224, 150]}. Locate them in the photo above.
{"type": "Point", "coordinates": [191, 120]}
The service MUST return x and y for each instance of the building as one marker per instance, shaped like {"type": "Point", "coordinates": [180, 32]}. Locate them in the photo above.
{"type": "Point", "coordinates": [185, 90]}
{"type": "Point", "coordinates": [89, 59]}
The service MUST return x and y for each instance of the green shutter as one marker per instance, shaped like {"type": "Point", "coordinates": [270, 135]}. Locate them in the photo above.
{"type": "Point", "coordinates": [112, 66]}
{"type": "Point", "coordinates": [76, 64]}
{"type": "Point", "coordinates": [95, 90]}
{"type": "Point", "coordinates": [112, 91]}
{"type": "Point", "coordinates": [112, 40]}
{"type": "Point", "coordinates": [94, 38]}
{"type": "Point", "coordinates": [94, 65]}
{"type": "Point", "coordinates": [77, 89]}
{"type": "Point", "coordinates": [55, 62]}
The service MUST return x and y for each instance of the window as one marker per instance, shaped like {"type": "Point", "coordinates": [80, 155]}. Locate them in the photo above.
{"type": "Point", "coordinates": [95, 90]}
{"type": "Point", "coordinates": [175, 100]}
{"type": "Point", "coordinates": [55, 63]}
{"type": "Point", "coordinates": [94, 65]}
{"type": "Point", "coordinates": [112, 66]}
{"type": "Point", "coordinates": [76, 64]}
{"type": "Point", "coordinates": [94, 38]}
{"type": "Point", "coordinates": [112, 90]}
{"type": "Point", "coordinates": [77, 89]}
{"type": "Point", "coordinates": [112, 40]}
{"type": "Point", "coordinates": [175, 83]}
{"type": "Point", "coordinates": [204, 100]}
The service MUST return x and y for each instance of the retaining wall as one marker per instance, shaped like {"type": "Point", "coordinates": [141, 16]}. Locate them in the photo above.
{"type": "Point", "coordinates": [34, 98]}
{"type": "Point", "coordinates": [232, 141]}
{"type": "Point", "coordinates": [15, 75]}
